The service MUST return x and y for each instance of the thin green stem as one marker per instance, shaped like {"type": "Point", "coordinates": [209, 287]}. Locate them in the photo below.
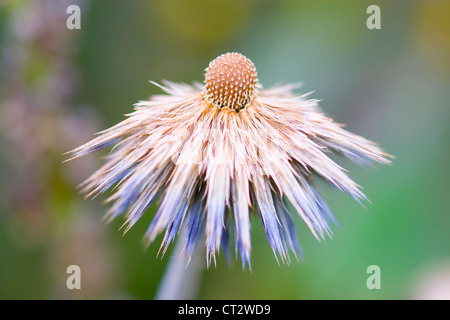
{"type": "Point", "coordinates": [181, 280]}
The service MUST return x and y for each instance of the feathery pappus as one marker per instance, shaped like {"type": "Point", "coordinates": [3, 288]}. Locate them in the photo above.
{"type": "Point", "coordinates": [214, 154]}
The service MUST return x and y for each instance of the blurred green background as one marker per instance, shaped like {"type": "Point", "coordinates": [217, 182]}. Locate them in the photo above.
{"type": "Point", "coordinates": [58, 87]}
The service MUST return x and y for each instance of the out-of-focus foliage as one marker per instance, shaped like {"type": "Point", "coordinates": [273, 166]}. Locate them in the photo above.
{"type": "Point", "coordinates": [58, 87]}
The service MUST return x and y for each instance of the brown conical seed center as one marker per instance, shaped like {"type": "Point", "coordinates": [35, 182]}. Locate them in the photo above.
{"type": "Point", "coordinates": [230, 81]}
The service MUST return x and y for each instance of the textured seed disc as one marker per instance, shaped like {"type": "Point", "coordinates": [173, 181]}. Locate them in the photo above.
{"type": "Point", "coordinates": [230, 81]}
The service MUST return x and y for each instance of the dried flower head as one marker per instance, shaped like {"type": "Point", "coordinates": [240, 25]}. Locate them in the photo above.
{"type": "Point", "coordinates": [216, 154]}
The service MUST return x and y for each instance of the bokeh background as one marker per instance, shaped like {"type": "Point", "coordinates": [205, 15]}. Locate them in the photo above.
{"type": "Point", "coordinates": [58, 87]}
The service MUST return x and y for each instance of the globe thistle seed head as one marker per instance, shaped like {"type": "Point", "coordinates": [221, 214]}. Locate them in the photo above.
{"type": "Point", "coordinates": [230, 81]}
{"type": "Point", "coordinates": [210, 168]}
